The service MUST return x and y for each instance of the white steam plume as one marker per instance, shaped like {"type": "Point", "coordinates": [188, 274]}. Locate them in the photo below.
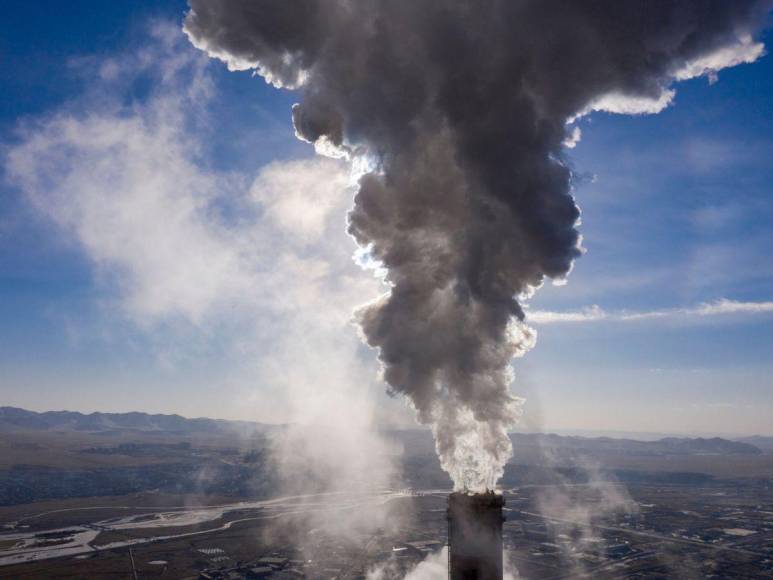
{"type": "Point", "coordinates": [433, 567]}
{"type": "Point", "coordinates": [130, 183]}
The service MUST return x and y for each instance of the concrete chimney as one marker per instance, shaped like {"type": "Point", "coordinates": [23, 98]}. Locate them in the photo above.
{"type": "Point", "coordinates": [475, 536]}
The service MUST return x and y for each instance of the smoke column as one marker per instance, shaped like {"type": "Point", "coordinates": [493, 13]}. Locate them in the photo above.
{"type": "Point", "coordinates": [460, 111]}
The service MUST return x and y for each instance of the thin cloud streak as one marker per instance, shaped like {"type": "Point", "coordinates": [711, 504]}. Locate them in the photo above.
{"type": "Point", "coordinates": [595, 313]}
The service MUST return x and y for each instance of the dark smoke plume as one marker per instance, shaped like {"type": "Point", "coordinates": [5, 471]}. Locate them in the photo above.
{"type": "Point", "coordinates": [459, 110]}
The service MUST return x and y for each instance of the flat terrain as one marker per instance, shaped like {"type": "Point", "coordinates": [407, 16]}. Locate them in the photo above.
{"type": "Point", "coordinates": [193, 503]}
{"type": "Point", "coordinates": [600, 530]}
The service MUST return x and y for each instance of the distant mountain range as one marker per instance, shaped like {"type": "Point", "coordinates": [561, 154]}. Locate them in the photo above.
{"type": "Point", "coordinates": [14, 419]}
{"type": "Point", "coordinates": [414, 441]}
{"type": "Point", "coordinates": [764, 443]}
{"type": "Point", "coordinates": [665, 446]}
{"type": "Point", "coordinates": [419, 443]}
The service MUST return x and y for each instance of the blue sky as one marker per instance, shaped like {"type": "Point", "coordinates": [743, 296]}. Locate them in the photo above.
{"type": "Point", "coordinates": [162, 276]}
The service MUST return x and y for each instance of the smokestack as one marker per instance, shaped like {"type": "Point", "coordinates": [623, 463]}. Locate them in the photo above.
{"type": "Point", "coordinates": [475, 536]}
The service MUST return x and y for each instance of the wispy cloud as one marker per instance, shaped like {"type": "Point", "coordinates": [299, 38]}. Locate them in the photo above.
{"type": "Point", "coordinates": [205, 264]}
{"type": "Point", "coordinates": [596, 313]}
{"type": "Point", "coordinates": [133, 185]}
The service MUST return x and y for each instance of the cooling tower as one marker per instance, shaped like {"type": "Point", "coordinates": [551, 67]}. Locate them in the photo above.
{"type": "Point", "coordinates": [475, 536]}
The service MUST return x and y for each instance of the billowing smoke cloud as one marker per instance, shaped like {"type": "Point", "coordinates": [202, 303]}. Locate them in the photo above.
{"type": "Point", "coordinates": [459, 111]}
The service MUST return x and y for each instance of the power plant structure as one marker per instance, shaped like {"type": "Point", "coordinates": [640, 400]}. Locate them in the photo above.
{"type": "Point", "coordinates": [475, 536]}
